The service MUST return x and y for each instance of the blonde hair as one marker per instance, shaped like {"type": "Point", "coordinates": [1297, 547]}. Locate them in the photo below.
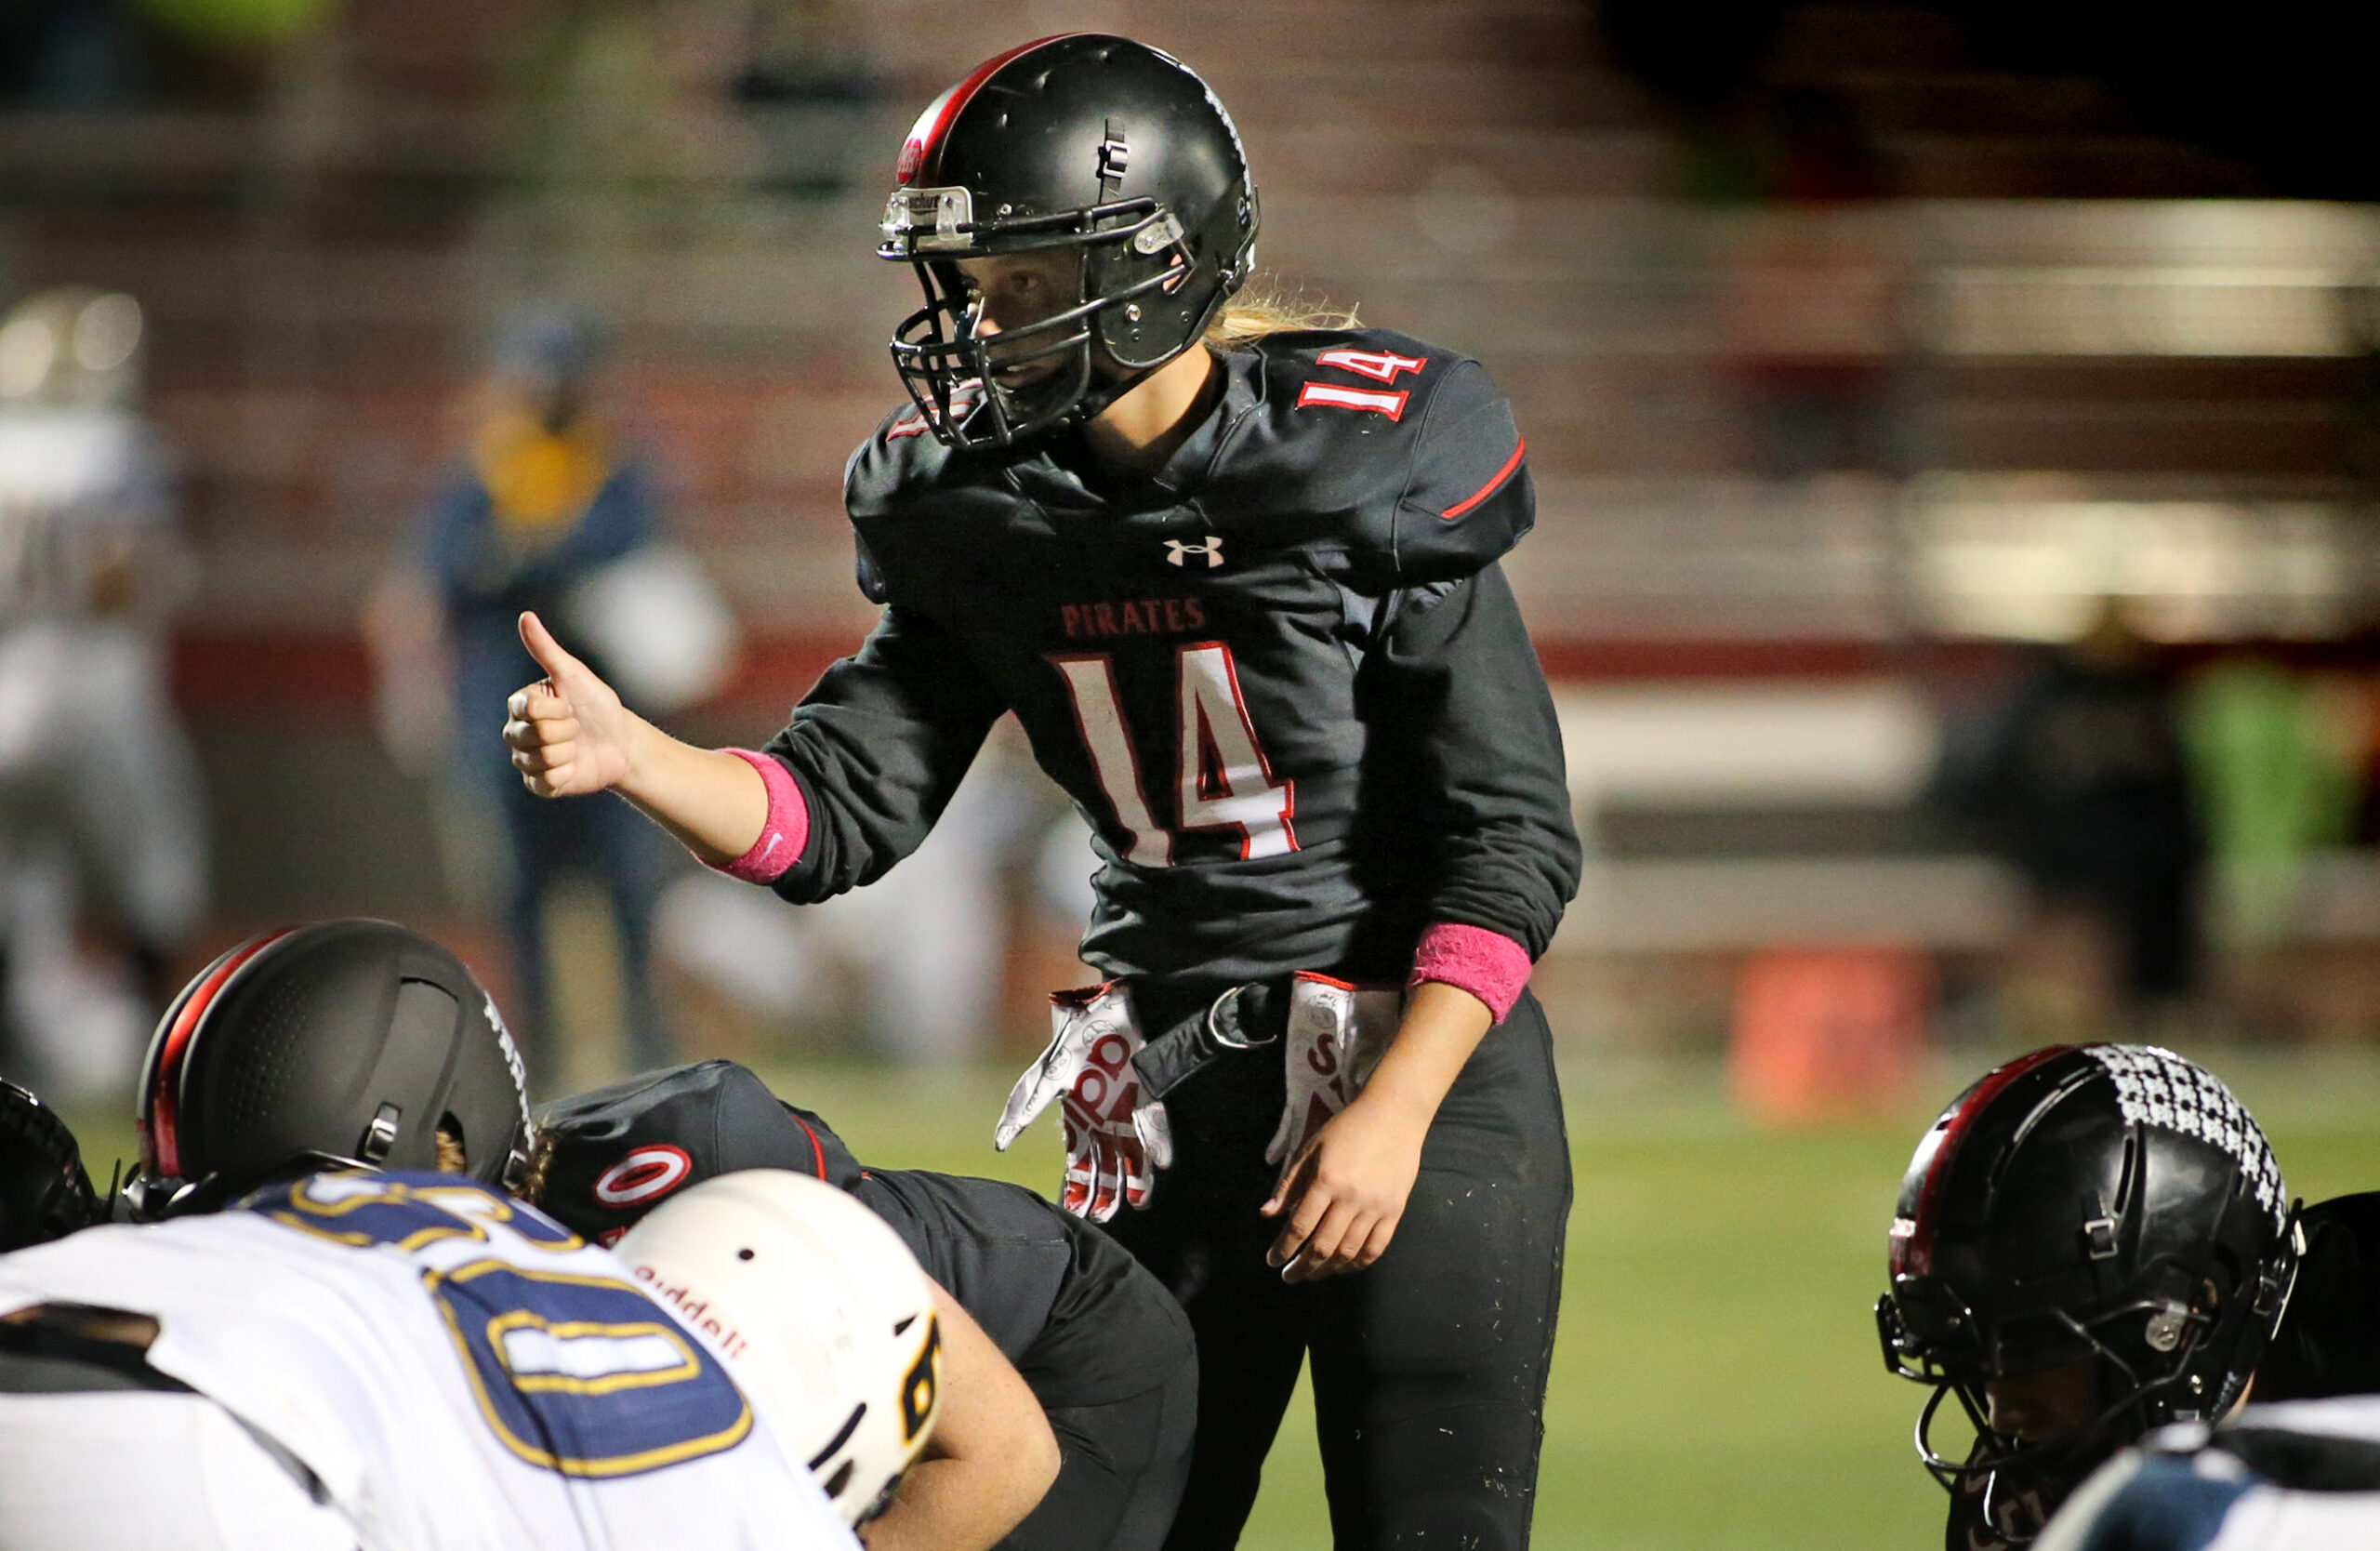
{"type": "Point", "coordinates": [1266, 307]}
{"type": "Point", "coordinates": [452, 1159]}
{"type": "Point", "coordinates": [531, 1188]}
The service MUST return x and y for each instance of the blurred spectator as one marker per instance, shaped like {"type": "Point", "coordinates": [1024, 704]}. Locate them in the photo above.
{"type": "Point", "coordinates": [2276, 757]}
{"type": "Point", "coordinates": [1809, 296]}
{"type": "Point", "coordinates": [1808, 307]}
{"type": "Point", "coordinates": [550, 512]}
{"type": "Point", "coordinates": [84, 55]}
{"type": "Point", "coordinates": [913, 965]}
{"type": "Point", "coordinates": [70, 54]}
{"type": "Point", "coordinates": [2080, 780]}
{"type": "Point", "coordinates": [103, 842]}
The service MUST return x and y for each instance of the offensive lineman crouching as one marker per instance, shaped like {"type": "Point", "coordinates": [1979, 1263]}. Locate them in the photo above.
{"type": "Point", "coordinates": [1105, 1349]}
{"type": "Point", "coordinates": [362, 1046]}
{"type": "Point", "coordinates": [363, 1359]}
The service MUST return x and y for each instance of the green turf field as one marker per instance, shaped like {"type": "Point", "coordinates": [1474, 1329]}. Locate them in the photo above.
{"type": "Point", "coordinates": [1717, 1382]}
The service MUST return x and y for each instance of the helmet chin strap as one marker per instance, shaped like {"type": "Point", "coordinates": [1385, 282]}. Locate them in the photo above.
{"type": "Point", "coordinates": [1105, 389]}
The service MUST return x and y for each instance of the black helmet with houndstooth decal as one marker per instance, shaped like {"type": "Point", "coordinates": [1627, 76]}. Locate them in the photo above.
{"type": "Point", "coordinates": [2113, 1205]}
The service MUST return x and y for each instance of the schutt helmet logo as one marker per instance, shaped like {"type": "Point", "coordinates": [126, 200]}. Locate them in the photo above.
{"type": "Point", "coordinates": [1177, 552]}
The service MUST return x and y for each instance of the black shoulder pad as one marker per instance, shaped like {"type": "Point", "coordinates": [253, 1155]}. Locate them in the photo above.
{"type": "Point", "coordinates": [893, 484]}
{"type": "Point", "coordinates": [1407, 448]}
{"type": "Point", "coordinates": [2328, 1343]}
{"type": "Point", "coordinates": [884, 471]}
{"type": "Point", "coordinates": [1468, 499]}
{"type": "Point", "coordinates": [870, 575]}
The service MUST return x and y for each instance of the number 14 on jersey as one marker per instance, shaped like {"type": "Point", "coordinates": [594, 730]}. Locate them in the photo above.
{"type": "Point", "coordinates": [1222, 780]}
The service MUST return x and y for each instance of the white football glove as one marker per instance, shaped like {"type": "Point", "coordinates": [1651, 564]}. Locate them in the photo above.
{"type": "Point", "coordinates": [1335, 1037]}
{"type": "Point", "coordinates": [1117, 1139]}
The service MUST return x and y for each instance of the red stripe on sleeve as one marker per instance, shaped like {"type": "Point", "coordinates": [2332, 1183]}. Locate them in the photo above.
{"type": "Point", "coordinates": [1494, 481]}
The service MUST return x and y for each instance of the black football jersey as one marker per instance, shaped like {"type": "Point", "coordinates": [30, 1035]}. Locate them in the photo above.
{"type": "Point", "coordinates": [1081, 1321]}
{"type": "Point", "coordinates": [1284, 679]}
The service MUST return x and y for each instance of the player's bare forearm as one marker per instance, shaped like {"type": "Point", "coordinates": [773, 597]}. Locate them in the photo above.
{"type": "Point", "coordinates": [715, 804]}
{"type": "Point", "coordinates": [1345, 1190]}
{"type": "Point", "coordinates": [571, 737]}
{"type": "Point", "coordinates": [1443, 1025]}
{"type": "Point", "coordinates": [991, 1457]}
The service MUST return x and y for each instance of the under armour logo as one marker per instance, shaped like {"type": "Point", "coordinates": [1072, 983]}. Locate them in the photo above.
{"type": "Point", "coordinates": [1176, 550]}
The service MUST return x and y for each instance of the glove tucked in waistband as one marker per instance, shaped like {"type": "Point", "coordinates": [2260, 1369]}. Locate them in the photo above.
{"type": "Point", "coordinates": [1111, 1080]}
{"type": "Point", "coordinates": [1118, 1135]}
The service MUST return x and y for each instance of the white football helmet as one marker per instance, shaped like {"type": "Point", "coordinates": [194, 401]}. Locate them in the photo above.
{"type": "Point", "coordinates": [825, 1319]}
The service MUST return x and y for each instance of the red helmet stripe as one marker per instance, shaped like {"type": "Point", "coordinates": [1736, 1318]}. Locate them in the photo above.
{"type": "Point", "coordinates": [1915, 1253]}
{"type": "Point", "coordinates": [161, 1140]}
{"type": "Point", "coordinates": [921, 154]}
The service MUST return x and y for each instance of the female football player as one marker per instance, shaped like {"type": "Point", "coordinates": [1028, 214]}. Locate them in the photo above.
{"type": "Point", "coordinates": [1235, 574]}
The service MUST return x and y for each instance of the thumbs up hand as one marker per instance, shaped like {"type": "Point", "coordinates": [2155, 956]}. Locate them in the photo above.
{"type": "Point", "coordinates": [569, 733]}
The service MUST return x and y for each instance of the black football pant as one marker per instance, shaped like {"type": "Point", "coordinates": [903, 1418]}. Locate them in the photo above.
{"type": "Point", "coordinates": [1429, 1367]}
{"type": "Point", "coordinates": [1122, 1470]}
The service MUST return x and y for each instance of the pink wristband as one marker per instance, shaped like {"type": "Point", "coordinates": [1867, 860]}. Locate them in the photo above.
{"type": "Point", "coordinates": [782, 834]}
{"type": "Point", "coordinates": [1488, 964]}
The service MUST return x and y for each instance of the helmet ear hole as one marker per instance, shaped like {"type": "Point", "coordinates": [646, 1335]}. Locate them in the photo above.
{"type": "Point", "coordinates": [454, 1156]}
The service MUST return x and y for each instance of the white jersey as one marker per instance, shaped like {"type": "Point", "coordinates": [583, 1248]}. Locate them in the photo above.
{"type": "Point", "coordinates": [75, 485]}
{"type": "Point", "coordinates": [454, 1369]}
{"type": "Point", "coordinates": [2301, 1476]}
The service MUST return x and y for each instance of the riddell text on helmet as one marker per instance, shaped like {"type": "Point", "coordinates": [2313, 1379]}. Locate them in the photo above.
{"type": "Point", "coordinates": [694, 1307]}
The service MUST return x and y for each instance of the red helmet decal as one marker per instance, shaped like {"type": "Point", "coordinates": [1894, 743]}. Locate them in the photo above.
{"type": "Point", "coordinates": [921, 151]}
{"type": "Point", "coordinates": [160, 1139]}
{"type": "Point", "coordinates": [1912, 1237]}
{"type": "Point", "coordinates": [645, 1174]}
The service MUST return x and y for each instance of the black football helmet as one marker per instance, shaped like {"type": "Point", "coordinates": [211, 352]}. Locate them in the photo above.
{"type": "Point", "coordinates": [1095, 145]}
{"type": "Point", "coordinates": [2114, 1204]}
{"type": "Point", "coordinates": [45, 1193]}
{"type": "Point", "coordinates": [344, 1044]}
